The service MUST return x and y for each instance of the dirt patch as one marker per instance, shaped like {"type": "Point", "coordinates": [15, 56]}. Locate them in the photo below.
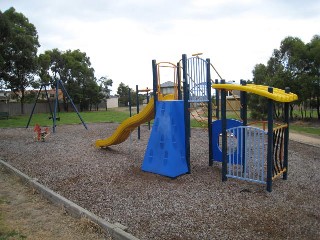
{"type": "Point", "coordinates": [26, 215]}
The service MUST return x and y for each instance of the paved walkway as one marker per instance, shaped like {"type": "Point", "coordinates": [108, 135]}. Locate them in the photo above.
{"type": "Point", "coordinates": [306, 139]}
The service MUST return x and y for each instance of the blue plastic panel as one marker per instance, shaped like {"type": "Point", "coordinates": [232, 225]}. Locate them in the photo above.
{"type": "Point", "coordinates": [216, 131]}
{"type": "Point", "coordinates": [166, 154]}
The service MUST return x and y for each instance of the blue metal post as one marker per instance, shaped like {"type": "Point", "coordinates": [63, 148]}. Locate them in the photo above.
{"type": "Point", "coordinates": [130, 102]}
{"type": "Point", "coordinates": [34, 106]}
{"type": "Point", "coordinates": [209, 111]}
{"type": "Point", "coordinates": [148, 103]}
{"type": "Point", "coordinates": [155, 85]}
{"type": "Point", "coordinates": [244, 117]}
{"type": "Point", "coordinates": [137, 95]}
{"type": "Point", "coordinates": [286, 137]}
{"type": "Point", "coordinates": [224, 132]}
{"type": "Point", "coordinates": [186, 110]}
{"type": "Point", "coordinates": [48, 101]}
{"type": "Point", "coordinates": [179, 81]}
{"type": "Point", "coordinates": [217, 101]}
{"type": "Point", "coordinates": [56, 102]}
{"type": "Point", "coordinates": [244, 106]}
{"type": "Point", "coordinates": [270, 143]}
{"type": "Point", "coordinates": [70, 99]}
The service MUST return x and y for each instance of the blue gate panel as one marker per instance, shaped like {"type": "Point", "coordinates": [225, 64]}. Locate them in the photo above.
{"type": "Point", "coordinates": [216, 131]}
{"type": "Point", "coordinates": [166, 154]}
{"type": "Point", "coordinates": [252, 147]}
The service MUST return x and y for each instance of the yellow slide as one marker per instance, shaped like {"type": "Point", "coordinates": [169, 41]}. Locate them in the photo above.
{"type": "Point", "coordinates": [127, 126]}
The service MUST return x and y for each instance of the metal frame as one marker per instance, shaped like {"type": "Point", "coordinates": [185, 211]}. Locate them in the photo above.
{"type": "Point", "coordinates": [196, 73]}
{"type": "Point", "coordinates": [279, 135]}
{"type": "Point", "coordinates": [54, 115]}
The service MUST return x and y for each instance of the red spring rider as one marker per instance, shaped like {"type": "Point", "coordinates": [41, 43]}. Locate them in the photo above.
{"type": "Point", "coordinates": [41, 134]}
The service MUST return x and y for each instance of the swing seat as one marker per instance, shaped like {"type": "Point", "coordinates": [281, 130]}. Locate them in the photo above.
{"type": "Point", "coordinates": [57, 118]}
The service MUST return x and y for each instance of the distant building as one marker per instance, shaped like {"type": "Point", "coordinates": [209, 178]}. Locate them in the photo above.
{"type": "Point", "coordinates": [113, 102]}
{"type": "Point", "coordinates": [9, 96]}
{"type": "Point", "coordinates": [51, 94]}
{"type": "Point", "coordinates": [4, 96]}
{"type": "Point", "coordinates": [167, 88]}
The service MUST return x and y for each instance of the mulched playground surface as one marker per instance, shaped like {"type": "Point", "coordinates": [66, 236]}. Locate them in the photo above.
{"type": "Point", "coordinates": [110, 183]}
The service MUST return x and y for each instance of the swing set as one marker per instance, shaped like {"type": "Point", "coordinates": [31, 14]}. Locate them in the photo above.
{"type": "Point", "coordinates": [54, 115]}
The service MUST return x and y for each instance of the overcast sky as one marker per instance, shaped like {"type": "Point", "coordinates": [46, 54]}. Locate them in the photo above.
{"type": "Point", "coordinates": [121, 37]}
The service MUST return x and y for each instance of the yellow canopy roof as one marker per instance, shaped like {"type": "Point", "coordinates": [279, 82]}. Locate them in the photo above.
{"type": "Point", "coordinates": [278, 95]}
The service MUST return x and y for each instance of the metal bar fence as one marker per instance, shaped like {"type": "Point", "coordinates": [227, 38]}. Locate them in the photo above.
{"type": "Point", "coordinates": [278, 151]}
{"type": "Point", "coordinates": [249, 166]}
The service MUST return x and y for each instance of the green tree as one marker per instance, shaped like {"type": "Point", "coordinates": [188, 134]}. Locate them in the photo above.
{"type": "Point", "coordinates": [18, 51]}
{"type": "Point", "coordinates": [78, 76]}
{"type": "Point", "coordinates": [314, 61]}
{"type": "Point", "coordinates": [257, 104]}
{"type": "Point", "coordinates": [74, 69]}
{"type": "Point", "coordinates": [91, 94]}
{"type": "Point", "coordinates": [123, 92]}
{"type": "Point", "coordinates": [5, 33]}
{"type": "Point", "coordinates": [293, 65]}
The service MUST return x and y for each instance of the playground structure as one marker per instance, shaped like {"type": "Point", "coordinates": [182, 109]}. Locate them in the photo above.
{"type": "Point", "coordinates": [54, 114]}
{"type": "Point", "coordinates": [246, 152]}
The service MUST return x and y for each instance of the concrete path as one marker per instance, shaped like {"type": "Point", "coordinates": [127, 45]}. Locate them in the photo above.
{"type": "Point", "coordinates": [311, 140]}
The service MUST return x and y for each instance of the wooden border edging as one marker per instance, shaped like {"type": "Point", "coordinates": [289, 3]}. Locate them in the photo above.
{"type": "Point", "coordinates": [115, 230]}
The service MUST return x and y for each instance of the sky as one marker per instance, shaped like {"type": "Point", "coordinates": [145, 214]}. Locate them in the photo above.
{"type": "Point", "coordinates": [122, 37]}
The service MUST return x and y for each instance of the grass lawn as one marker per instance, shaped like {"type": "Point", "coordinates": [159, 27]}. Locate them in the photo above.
{"type": "Point", "coordinates": [6, 231]}
{"type": "Point", "coordinates": [120, 114]}
{"type": "Point", "coordinates": [65, 118]}
{"type": "Point", "coordinates": [309, 128]}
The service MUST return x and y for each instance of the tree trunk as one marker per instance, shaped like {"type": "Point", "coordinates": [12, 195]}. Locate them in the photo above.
{"type": "Point", "coordinates": [65, 104]}
{"type": "Point", "coordinates": [318, 106]}
{"type": "Point", "coordinates": [318, 98]}
{"type": "Point", "coordinates": [22, 102]}
{"type": "Point", "coordinates": [291, 111]}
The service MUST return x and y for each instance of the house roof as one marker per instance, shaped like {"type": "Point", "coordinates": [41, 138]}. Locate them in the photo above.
{"type": "Point", "coordinates": [167, 84]}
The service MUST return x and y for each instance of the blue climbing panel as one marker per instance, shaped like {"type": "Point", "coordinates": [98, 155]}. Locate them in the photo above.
{"type": "Point", "coordinates": [232, 139]}
{"type": "Point", "coordinates": [166, 154]}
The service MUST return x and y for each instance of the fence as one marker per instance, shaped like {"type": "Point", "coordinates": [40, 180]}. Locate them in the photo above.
{"type": "Point", "coordinates": [14, 108]}
{"type": "Point", "coordinates": [251, 143]}
{"type": "Point", "coordinates": [249, 163]}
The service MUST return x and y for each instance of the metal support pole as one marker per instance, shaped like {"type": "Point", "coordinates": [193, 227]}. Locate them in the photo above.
{"type": "Point", "coordinates": [209, 112]}
{"type": "Point", "coordinates": [270, 143]}
{"type": "Point", "coordinates": [130, 112]}
{"type": "Point", "coordinates": [244, 105]}
{"type": "Point", "coordinates": [56, 102]}
{"type": "Point", "coordinates": [186, 110]}
{"type": "Point", "coordinates": [217, 100]}
{"type": "Point", "coordinates": [70, 99]}
{"type": "Point", "coordinates": [148, 103]}
{"type": "Point", "coordinates": [48, 101]}
{"type": "Point", "coordinates": [179, 81]}
{"type": "Point", "coordinates": [224, 132]}
{"type": "Point", "coordinates": [34, 106]}
{"type": "Point", "coordinates": [286, 137]}
{"type": "Point", "coordinates": [155, 85]}
{"type": "Point", "coordinates": [244, 117]}
{"type": "Point", "coordinates": [137, 95]}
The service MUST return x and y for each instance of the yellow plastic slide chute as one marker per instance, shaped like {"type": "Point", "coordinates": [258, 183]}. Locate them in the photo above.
{"type": "Point", "coordinates": [127, 126]}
